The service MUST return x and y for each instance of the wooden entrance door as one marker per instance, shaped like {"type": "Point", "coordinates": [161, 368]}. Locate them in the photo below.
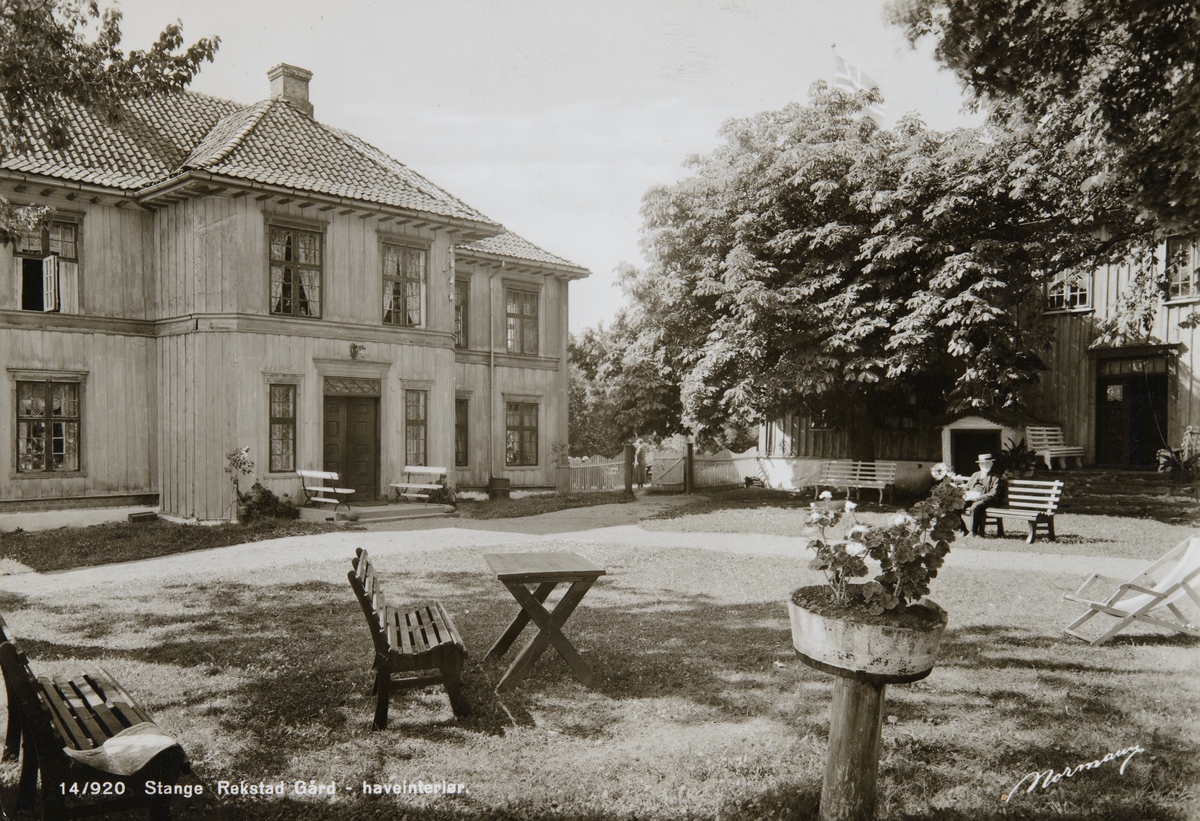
{"type": "Point", "coordinates": [352, 443]}
{"type": "Point", "coordinates": [1131, 411]}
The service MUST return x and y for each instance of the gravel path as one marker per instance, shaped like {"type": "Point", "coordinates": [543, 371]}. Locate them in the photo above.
{"type": "Point", "coordinates": [326, 555]}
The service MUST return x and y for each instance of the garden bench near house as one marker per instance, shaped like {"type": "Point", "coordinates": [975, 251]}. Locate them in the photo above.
{"type": "Point", "coordinates": [420, 645]}
{"type": "Point", "coordinates": [316, 491]}
{"type": "Point", "coordinates": [845, 473]}
{"type": "Point", "coordinates": [1032, 500]}
{"type": "Point", "coordinates": [95, 749]}
{"type": "Point", "coordinates": [418, 481]}
{"type": "Point", "coordinates": [1048, 443]}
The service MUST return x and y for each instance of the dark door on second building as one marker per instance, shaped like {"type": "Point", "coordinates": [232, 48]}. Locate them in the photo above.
{"type": "Point", "coordinates": [1131, 411]}
{"type": "Point", "coordinates": [352, 443]}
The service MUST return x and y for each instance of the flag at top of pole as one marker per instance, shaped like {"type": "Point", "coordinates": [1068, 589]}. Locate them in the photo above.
{"type": "Point", "coordinates": [852, 79]}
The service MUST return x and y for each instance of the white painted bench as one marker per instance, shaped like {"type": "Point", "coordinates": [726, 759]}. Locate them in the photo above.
{"type": "Point", "coordinates": [1048, 443]}
{"type": "Point", "coordinates": [845, 473]}
{"type": "Point", "coordinates": [317, 492]}
{"type": "Point", "coordinates": [1034, 501]}
{"type": "Point", "coordinates": [418, 481]}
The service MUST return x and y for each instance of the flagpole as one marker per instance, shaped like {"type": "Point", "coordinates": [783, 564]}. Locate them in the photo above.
{"type": "Point", "coordinates": [832, 64]}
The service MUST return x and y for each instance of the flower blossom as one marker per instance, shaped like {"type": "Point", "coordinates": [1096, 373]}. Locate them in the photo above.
{"type": "Point", "coordinates": [826, 495]}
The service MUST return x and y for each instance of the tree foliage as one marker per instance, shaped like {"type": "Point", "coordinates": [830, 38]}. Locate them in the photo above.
{"type": "Point", "coordinates": [817, 262]}
{"type": "Point", "coordinates": [59, 53]}
{"type": "Point", "coordinates": [1123, 78]}
{"type": "Point", "coordinates": [622, 385]}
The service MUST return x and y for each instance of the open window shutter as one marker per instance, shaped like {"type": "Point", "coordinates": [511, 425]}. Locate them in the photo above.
{"type": "Point", "coordinates": [50, 283]}
{"type": "Point", "coordinates": [19, 279]}
{"type": "Point", "coordinates": [68, 287]}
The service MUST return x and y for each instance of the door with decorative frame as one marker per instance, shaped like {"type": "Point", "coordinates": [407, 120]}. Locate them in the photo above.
{"type": "Point", "coordinates": [352, 436]}
{"type": "Point", "coordinates": [1131, 410]}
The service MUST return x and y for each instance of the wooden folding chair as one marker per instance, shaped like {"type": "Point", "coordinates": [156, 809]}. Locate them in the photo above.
{"type": "Point", "coordinates": [1142, 598]}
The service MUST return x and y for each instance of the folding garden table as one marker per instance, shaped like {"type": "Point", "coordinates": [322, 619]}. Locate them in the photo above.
{"type": "Point", "coordinates": [547, 571]}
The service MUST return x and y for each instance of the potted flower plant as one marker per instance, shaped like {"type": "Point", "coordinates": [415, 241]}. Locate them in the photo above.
{"type": "Point", "coordinates": [884, 627]}
{"type": "Point", "coordinates": [238, 463]}
{"type": "Point", "coordinates": [1016, 459]}
{"type": "Point", "coordinates": [872, 634]}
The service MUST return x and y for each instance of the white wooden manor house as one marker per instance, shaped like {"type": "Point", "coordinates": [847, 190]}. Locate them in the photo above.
{"type": "Point", "coordinates": [219, 275]}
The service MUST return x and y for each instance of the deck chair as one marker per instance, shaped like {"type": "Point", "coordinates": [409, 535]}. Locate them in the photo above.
{"type": "Point", "coordinates": [1142, 598]}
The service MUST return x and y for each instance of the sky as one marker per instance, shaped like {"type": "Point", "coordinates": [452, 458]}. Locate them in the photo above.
{"type": "Point", "coordinates": [553, 117]}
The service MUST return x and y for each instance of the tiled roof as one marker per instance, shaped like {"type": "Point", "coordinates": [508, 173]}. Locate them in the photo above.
{"type": "Point", "coordinates": [148, 142]}
{"type": "Point", "coordinates": [508, 244]}
{"type": "Point", "coordinates": [269, 142]}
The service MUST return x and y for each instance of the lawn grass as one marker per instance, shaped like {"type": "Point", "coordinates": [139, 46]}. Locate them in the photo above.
{"type": "Point", "coordinates": [538, 504]}
{"type": "Point", "coordinates": [68, 547]}
{"type": "Point", "coordinates": [701, 709]}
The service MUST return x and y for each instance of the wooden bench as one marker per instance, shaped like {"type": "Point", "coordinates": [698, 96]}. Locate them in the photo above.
{"type": "Point", "coordinates": [845, 473]}
{"type": "Point", "coordinates": [316, 491]}
{"type": "Point", "coordinates": [1029, 499]}
{"type": "Point", "coordinates": [93, 746]}
{"type": "Point", "coordinates": [421, 645]}
{"type": "Point", "coordinates": [418, 480]}
{"type": "Point", "coordinates": [1048, 443]}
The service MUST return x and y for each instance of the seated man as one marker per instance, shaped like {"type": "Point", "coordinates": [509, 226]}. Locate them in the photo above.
{"type": "Point", "coordinates": [982, 488]}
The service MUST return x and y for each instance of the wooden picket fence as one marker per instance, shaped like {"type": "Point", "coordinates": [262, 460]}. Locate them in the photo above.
{"type": "Point", "coordinates": [597, 473]}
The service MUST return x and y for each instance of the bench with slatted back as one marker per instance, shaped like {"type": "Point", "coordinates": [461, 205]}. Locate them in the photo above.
{"type": "Point", "coordinates": [316, 491]}
{"type": "Point", "coordinates": [1049, 443]}
{"type": "Point", "coordinates": [421, 646]}
{"type": "Point", "coordinates": [845, 473]}
{"type": "Point", "coordinates": [1031, 500]}
{"type": "Point", "coordinates": [418, 481]}
{"type": "Point", "coordinates": [84, 730]}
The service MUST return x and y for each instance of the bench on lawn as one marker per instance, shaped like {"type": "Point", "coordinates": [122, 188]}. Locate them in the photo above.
{"type": "Point", "coordinates": [1029, 499]}
{"type": "Point", "coordinates": [1048, 443]}
{"type": "Point", "coordinates": [316, 491]}
{"type": "Point", "coordinates": [845, 473]}
{"type": "Point", "coordinates": [93, 746]}
{"type": "Point", "coordinates": [420, 645]}
{"type": "Point", "coordinates": [418, 481]}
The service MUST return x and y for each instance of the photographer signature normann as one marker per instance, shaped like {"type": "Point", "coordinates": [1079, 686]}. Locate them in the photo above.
{"type": "Point", "coordinates": [1050, 777]}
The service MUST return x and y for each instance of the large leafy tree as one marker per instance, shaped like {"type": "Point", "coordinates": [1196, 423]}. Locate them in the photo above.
{"type": "Point", "coordinates": [1121, 78]}
{"type": "Point", "coordinates": [817, 262]}
{"type": "Point", "coordinates": [623, 384]}
{"type": "Point", "coordinates": [55, 54]}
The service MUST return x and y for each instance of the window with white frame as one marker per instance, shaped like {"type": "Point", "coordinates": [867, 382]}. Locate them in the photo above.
{"type": "Point", "coordinates": [1182, 264]}
{"type": "Point", "coordinates": [521, 434]}
{"type": "Point", "coordinates": [282, 421]}
{"type": "Point", "coordinates": [521, 308]}
{"type": "Point", "coordinates": [462, 297]}
{"type": "Point", "coordinates": [415, 427]}
{"type": "Point", "coordinates": [403, 285]}
{"type": "Point", "coordinates": [295, 272]}
{"type": "Point", "coordinates": [461, 454]}
{"type": "Point", "coordinates": [47, 269]}
{"type": "Point", "coordinates": [1068, 292]}
{"type": "Point", "coordinates": [48, 426]}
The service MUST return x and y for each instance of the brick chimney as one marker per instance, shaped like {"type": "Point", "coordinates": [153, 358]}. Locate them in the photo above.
{"type": "Point", "coordinates": [290, 83]}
